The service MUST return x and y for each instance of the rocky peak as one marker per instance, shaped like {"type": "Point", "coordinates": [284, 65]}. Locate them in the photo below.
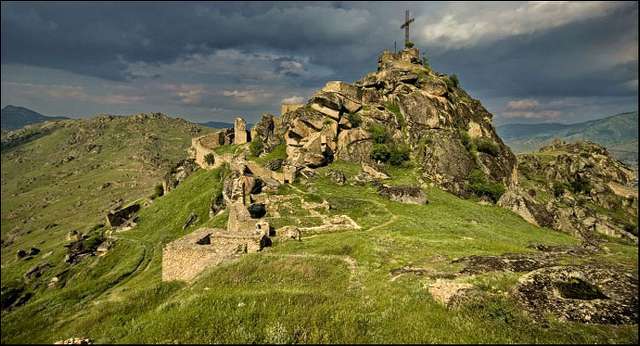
{"type": "Point", "coordinates": [404, 110]}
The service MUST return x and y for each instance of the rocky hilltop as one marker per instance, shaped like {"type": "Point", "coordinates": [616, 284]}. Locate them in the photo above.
{"type": "Point", "coordinates": [578, 188]}
{"type": "Point", "coordinates": [403, 111]}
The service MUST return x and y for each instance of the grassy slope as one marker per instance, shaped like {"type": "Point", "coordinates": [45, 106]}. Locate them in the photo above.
{"type": "Point", "coordinates": [38, 191]}
{"type": "Point", "coordinates": [328, 288]}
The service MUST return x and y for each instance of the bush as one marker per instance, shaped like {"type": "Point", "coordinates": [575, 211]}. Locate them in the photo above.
{"type": "Point", "coordinates": [487, 146]}
{"type": "Point", "coordinates": [158, 191]}
{"type": "Point", "coordinates": [380, 152]}
{"type": "Point", "coordinates": [354, 119]}
{"type": "Point", "coordinates": [378, 133]}
{"type": "Point", "coordinates": [579, 185]}
{"type": "Point", "coordinates": [454, 80]}
{"type": "Point", "coordinates": [256, 147]}
{"type": "Point", "coordinates": [425, 61]}
{"type": "Point", "coordinates": [398, 154]}
{"type": "Point", "coordinates": [395, 109]}
{"type": "Point", "coordinates": [480, 186]}
{"type": "Point", "coordinates": [559, 188]}
{"type": "Point", "coordinates": [209, 159]}
{"type": "Point", "coordinates": [465, 138]}
{"type": "Point", "coordinates": [409, 44]}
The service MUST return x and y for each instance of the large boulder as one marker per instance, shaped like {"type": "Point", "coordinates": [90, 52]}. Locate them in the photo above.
{"type": "Point", "coordinates": [266, 131]}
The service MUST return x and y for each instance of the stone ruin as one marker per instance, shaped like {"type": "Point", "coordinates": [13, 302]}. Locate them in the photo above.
{"type": "Point", "coordinates": [240, 134]}
{"type": "Point", "coordinates": [185, 258]}
{"type": "Point", "coordinates": [247, 230]}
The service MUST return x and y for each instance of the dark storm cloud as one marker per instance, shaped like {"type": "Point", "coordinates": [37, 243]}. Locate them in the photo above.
{"type": "Point", "coordinates": [573, 60]}
{"type": "Point", "coordinates": [221, 58]}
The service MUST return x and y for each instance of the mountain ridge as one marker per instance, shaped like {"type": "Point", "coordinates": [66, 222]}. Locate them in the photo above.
{"type": "Point", "coordinates": [15, 117]}
{"type": "Point", "coordinates": [618, 133]}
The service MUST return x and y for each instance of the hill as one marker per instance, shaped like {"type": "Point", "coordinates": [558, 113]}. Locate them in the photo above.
{"type": "Point", "coordinates": [15, 117]}
{"type": "Point", "coordinates": [353, 286]}
{"type": "Point", "coordinates": [405, 155]}
{"type": "Point", "coordinates": [618, 133]}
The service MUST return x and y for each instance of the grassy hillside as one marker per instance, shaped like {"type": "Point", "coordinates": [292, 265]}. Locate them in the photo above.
{"type": "Point", "coordinates": [618, 133]}
{"type": "Point", "coordinates": [335, 287]}
{"type": "Point", "coordinates": [14, 117]}
{"type": "Point", "coordinates": [67, 177]}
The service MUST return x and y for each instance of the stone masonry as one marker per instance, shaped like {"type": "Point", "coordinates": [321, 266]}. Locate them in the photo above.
{"type": "Point", "coordinates": [185, 258]}
{"type": "Point", "coordinates": [240, 131]}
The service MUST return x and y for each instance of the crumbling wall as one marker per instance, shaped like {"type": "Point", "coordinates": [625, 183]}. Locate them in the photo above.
{"type": "Point", "coordinates": [185, 258]}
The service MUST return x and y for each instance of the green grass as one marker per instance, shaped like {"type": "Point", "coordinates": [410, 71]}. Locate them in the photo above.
{"type": "Point", "coordinates": [226, 149]}
{"type": "Point", "coordinates": [307, 291]}
{"type": "Point", "coordinates": [278, 152]}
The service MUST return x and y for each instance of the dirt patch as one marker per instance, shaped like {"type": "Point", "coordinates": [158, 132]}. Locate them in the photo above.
{"type": "Point", "coordinates": [587, 294]}
{"type": "Point", "coordinates": [450, 293]}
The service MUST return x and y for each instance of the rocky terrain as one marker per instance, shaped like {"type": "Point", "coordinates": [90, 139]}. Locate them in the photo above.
{"type": "Point", "coordinates": [404, 111]}
{"type": "Point", "coordinates": [384, 210]}
{"type": "Point", "coordinates": [578, 188]}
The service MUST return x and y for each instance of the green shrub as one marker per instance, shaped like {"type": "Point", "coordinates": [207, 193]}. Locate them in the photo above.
{"type": "Point", "coordinates": [481, 186]}
{"type": "Point", "coordinates": [465, 138]}
{"type": "Point", "coordinates": [380, 152]}
{"type": "Point", "coordinates": [256, 147]}
{"type": "Point", "coordinates": [379, 133]}
{"type": "Point", "coordinates": [559, 188]}
{"type": "Point", "coordinates": [395, 109]}
{"type": "Point", "coordinates": [454, 80]}
{"type": "Point", "coordinates": [209, 159]}
{"type": "Point", "coordinates": [354, 119]}
{"type": "Point", "coordinates": [579, 185]}
{"type": "Point", "coordinates": [409, 44]}
{"type": "Point", "coordinates": [487, 146]}
{"type": "Point", "coordinates": [425, 61]}
{"type": "Point", "coordinates": [158, 191]}
{"type": "Point", "coordinates": [398, 154]}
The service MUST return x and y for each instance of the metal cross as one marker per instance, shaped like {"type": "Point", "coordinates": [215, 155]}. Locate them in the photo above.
{"type": "Point", "coordinates": [405, 26]}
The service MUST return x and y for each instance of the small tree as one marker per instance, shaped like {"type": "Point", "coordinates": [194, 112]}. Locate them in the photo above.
{"type": "Point", "coordinates": [454, 80]}
{"type": "Point", "coordinates": [408, 44]}
{"type": "Point", "coordinates": [354, 119]}
{"type": "Point", "coordinates": [378, 133]}
{"type": "Point", "coordinates": [380, 152]}
{"type": "Point", "coordinates": [425, 61]}
{"type": "Point", "coordinates": [256, 147]}
{"type": "Point", "coordinates": [209, 159]}
{"type": "Point", "coordinates": [158, 191]}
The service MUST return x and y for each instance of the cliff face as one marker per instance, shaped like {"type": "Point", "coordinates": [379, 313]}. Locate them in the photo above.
{"type": "Point", "coordinates": [404, 108]}
{"type": "Point", "coordinates": [577, 188]}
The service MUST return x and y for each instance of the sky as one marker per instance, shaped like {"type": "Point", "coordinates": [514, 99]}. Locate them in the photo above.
{"type": "Point", "coordinates": [527, 62]}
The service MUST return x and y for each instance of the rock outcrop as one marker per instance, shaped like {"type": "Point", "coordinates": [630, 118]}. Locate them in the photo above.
{"type": "Point", "coordinates": [403, 194]}
{"type": "Point", "coordinates": [266, 131]}
{"type": "Point", "coordinates": [448, 133]}
{"type": "Point", "coordinates": [587, 294]}
{"type": "Point", "coordinates": [577, 188]}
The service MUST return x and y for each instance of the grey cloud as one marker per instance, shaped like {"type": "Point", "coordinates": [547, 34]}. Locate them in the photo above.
{"type": "Point", "coordinates": [289, 49]}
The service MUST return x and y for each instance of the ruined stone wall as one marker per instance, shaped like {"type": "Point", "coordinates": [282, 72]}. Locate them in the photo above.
{"type": "Point", "coordinates": [199, 150]}
{"type": "Point", "coordinates": [183, 259]}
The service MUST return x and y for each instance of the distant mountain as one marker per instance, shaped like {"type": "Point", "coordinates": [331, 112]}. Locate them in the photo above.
{"type": "Point", "coordinates": [618, 133]}
{"type": "Point", "coordinates": [15, 117]}
{"type": "Point", "coordinates": [221, 125]}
